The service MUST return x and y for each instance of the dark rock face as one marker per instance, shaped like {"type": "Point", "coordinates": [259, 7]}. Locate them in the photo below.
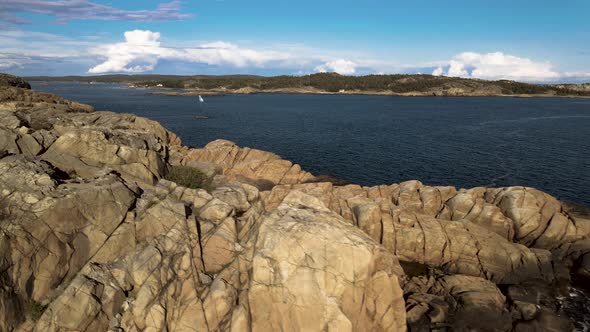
{"type": "Point", "coordinates": [9, 80]}
{"type": "Point", "coordinates": [93, 238]}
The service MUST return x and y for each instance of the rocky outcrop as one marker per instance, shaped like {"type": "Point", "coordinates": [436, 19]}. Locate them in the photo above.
{"type": "Point", "coordinates": [260, 168]}
{"type": "Point", "coordinates": [411, 230]}
{"type": "Point", "coordinates": [82, 143]}
{"type": "Point", "coordinates": [313, 272]}
{"type": "Point", "coordinates": [518, 220]}
{"type": "Point", "coordinates": [93, 238]}
{"type": "Point", "coordinates": [168, 275]}
{"type": "Point", "coordinates": [15, 81]}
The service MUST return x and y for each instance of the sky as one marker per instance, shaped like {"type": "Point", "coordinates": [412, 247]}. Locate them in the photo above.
{"type": "Point", "coordinates": [525, 40]}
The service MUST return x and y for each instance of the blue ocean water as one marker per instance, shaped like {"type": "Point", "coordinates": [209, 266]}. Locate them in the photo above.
{"type": "Point", "coordinates": [464, 142]}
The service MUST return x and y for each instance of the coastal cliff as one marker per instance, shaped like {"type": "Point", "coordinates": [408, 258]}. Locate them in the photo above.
{"type": "Point", "coordinates": [95, 236]}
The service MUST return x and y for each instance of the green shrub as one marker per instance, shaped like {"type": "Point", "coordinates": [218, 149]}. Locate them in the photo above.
{"type": "Point", "coordinates": [176, 84]}
{"type": "Point", "coordinates": [33, 310]}
{"type": "Point", "coordinates": [189, 177]}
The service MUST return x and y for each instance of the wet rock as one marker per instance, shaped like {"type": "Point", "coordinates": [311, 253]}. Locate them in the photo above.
{"type": "Point", "coordinates": [458, 302]}
{"type": "Point", "coordinates": [583, 266]}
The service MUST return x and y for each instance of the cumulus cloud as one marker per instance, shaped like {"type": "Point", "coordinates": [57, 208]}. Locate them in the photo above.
{"type": "Point", "coordinates": [67, 10]}
{"type": "Point", "coordinates": [497, 65]}
{"type": "Point", "coordinates": [340, 66]}
{"type": "Point", "coordinates": [138, 53]}
{"type": "Point", "coordinates": [141, 51]}
{"type": "Point", "coordinates": [438, 71]}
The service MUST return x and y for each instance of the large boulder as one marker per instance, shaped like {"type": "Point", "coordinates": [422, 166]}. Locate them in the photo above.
{"type": "Point", "coordinates": [303, 279]}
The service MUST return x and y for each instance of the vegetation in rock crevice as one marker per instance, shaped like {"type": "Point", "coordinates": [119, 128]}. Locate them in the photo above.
{"type": "Point", "coordinates": [33, 310]}
{"type": "Point", "coordinates": [189, 177]}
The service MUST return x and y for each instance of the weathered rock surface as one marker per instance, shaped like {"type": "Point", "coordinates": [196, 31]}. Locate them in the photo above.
{"type": "Point", "coordinates": [481, 232]}
{"type": "Point", "coordinates": [261, 168]}
{"type": "Point", "coordinates": [93, 238]}
{"type": "Point", "coordinates": [168, 278]}
{"type": "Point", "coordinates": [80, 142]}
{"type": "Point", "coordinates": [313, 272]}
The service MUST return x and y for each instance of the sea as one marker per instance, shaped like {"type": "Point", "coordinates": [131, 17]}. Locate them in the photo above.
{"type": "Point", "coordinates": [369, 140]}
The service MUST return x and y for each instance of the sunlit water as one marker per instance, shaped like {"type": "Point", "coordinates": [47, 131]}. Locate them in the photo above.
{"type": "Point", "coordinates": [369, 140]}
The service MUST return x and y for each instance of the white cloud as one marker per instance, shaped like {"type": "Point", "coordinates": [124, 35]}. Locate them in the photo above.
{"type": "Point", "coordinates": [438, 71]}
{"type": "Point", "coordinates": [141, 51]}
{"type": "Point", "coordinates": [340, 66]}
{"type": "Point", "coordinates": [494, 66]}
{"type": "Point", "coordinates": [137, 54]}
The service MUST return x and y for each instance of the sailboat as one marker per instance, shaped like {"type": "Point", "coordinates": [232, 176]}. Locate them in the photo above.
{"type": "Point", "coordinates": [201, 116]}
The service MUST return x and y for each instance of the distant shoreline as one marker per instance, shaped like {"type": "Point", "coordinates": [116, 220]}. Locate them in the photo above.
{"type": "Point", "coordinates": [401, 85]}
{"type": "Point", "coordinates": [186, 93]}
{"type": "Point", "coordinates": [247, 91]}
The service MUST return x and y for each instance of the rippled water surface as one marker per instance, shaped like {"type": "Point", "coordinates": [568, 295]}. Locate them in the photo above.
{"type": "Point", "coordinates": [369, 140]}
{"type": "Point", "coordinates": [577, 306]}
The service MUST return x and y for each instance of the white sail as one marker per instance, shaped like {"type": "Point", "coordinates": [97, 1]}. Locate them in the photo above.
{"type": "Point", "coordinates": [201, 99]}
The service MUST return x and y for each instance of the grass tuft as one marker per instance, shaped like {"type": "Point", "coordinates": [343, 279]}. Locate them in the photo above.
{"type": "Point", "coordinates": [33, 310]}
{"type": "Point", "coordinates": [189, 177]}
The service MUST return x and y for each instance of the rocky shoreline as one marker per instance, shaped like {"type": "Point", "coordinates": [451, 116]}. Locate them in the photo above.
{"type": "Point", "coordinates": [442, 92]}
{"type": "Point", "coordinates": [437, 93]}
{"type": "Point", "coordinates": [95, 238]}
{"type": "Point", "coordinates": [187, 93]}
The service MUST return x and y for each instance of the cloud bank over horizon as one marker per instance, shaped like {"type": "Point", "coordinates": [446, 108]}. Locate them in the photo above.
{"type": "Point", "coordinates": [499, 66]}
{"type": "Point", "coordinates": [142, 51]}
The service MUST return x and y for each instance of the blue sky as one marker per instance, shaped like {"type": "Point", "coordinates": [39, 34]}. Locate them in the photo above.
{"type": "Point", "coordinates": [539, 41]}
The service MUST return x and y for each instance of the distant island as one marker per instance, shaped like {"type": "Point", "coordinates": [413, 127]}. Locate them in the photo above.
{"type": "Point", "coordinates": [332, 83]}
